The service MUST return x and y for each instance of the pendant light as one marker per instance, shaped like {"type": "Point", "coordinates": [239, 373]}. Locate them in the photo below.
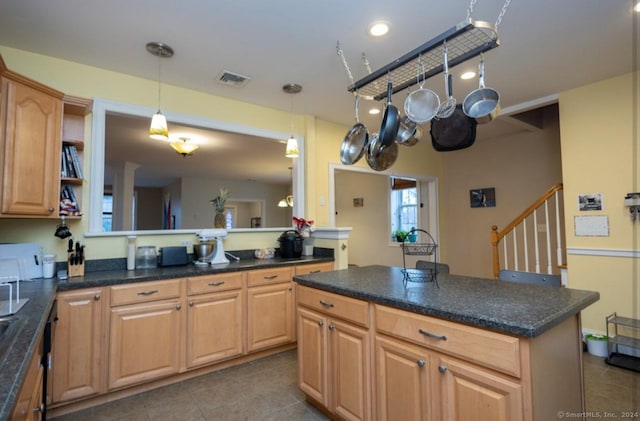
{"type": "Point", "coordinates": [292, 144]}
{"type": "Point", "coordinates": [158, 129]}
{"type": "Point", "coordinates": [287, 201]}
{"type": "Point", "coordinates": [183, 146]}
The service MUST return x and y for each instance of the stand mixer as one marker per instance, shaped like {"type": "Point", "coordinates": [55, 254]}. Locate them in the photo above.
{"type": "Point", "coordinates": [218, 235]}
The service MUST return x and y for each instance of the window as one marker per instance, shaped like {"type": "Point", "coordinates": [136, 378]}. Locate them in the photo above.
{"type": "Point", "coordinates": [404, 204]}
{"type": "Point", "coordinates": [107, 213]}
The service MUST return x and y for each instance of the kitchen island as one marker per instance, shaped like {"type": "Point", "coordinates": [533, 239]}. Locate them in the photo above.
{"type": "Point", "coordinates": [370, 347]}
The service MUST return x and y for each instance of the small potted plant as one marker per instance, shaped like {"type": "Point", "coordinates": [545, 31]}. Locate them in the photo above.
{"type": "Point", "coordinates": [412, 236]}
{"type": "Point", "coordinates": [220, 220]}
{"type": "Point", "coordinates": [400, 236]}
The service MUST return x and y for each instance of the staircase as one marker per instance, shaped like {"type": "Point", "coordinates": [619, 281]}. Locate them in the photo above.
{"type": "Point", "coordinates": [535, 240]}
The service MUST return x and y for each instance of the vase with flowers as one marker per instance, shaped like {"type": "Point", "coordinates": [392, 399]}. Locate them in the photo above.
{"type": "Point", "coordinates": [220, 220]}
{"type": "Point", "coordinates": [304, 227]}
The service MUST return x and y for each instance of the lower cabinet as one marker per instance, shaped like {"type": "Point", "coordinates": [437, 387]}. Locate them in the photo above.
{"type": "Point", "coordinates": [145, 337]}
{"type": "Point", "coordinates": [334, 354]}
{"type": "Point", "coordinates": [29, 406]}
{"type": "Point", "coordinates": [214, 318]}
{"type": "Point", "coordinates": [270, 308]}
{"type": "Point", "coordinates": [78, 345]}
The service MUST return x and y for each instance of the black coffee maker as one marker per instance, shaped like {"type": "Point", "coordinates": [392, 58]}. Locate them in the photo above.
{"type": "Point", "coordinates": [290, 244]}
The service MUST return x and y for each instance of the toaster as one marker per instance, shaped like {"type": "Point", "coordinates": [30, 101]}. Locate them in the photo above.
{"type": "Point", "coordinates": [172, 256]}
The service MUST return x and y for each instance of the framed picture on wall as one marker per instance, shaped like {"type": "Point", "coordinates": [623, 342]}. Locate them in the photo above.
{"type": "Point", "coordinates": [482, 198]}
{"type": "Point", "coordinates": [256, 222]}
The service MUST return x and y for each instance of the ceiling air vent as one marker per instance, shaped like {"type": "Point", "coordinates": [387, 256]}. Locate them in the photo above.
{"type": "Point", "coordinates": [234, 79]}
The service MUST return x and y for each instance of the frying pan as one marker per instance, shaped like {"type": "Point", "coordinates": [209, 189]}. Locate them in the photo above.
{"type": "Point", "coordinates": [455, 132]}
{"type": "Point", "coordinates": [482, 104]}
{"type": "Point", "coordinates": [390, 121]}
{"type": "Point", "coordinates": [380, 157]}
{"type": "Point", "coordinates": [355, 142]}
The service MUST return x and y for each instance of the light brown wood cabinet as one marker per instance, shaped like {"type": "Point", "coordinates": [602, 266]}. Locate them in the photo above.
{"type": "Point", "coordinates": [270, 308]}
{"type": "Point", "coordinates": [214, 318]}
{"type": "Point", "coordinates": [29, 406]}
{"type": "Point", "coordinates": [313, 268]}
{"type": "Point", "coordinates": [334, 353]}
{"type": "Point", "coordinates": [30, 126]}
{"type": "Point", "coordinates": [78, 344]}
{"type": "Point", "coordinates": [146, 332]}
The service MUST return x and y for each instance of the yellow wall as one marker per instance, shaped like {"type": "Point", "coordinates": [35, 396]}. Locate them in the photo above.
{"type": "Point", "coordinates": [600, 155]}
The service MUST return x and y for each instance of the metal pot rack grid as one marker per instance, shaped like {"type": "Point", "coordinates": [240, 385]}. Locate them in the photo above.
{"type": "Point", "coordinates": [466, 40]}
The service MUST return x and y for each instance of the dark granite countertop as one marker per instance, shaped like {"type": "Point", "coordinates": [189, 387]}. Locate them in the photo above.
{"type": "Point", "coordinates": [42, 292]}
{"type": "Point", "coordinates": [517, 309]}
{"type": "Point", "coordinates": [32, 318]}
{"type": "Point", "coordinates": [114, 277]}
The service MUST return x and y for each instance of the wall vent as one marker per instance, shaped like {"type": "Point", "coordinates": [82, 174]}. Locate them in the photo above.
{"type": "Point", "coordinates": [233, 79]}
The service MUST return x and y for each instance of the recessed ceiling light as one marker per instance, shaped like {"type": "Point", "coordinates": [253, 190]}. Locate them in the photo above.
{"type": "Point", "coordinates": [637, 7]}
{"type": "Point", "coordinates": [374, 111]}
{"type": "Point", "coordinates": [378, 29]}
{"type": "Point", "coordinates": [467, 75]}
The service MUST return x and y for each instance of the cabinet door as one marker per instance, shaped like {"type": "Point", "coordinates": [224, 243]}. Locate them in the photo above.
{"type": "Point", "coordinates": [145, 342]}
{"type": "Point", "coordinates": [77, 347]}
{"type": "Point", "coordinates": [469, 392]}
{"type": "Point", "coordinates": [402, 380]}
{"type": "Point", "coordinates": [214, 327]}
{"type": "Point", "coordinates": [270, 316]}
{"type": "Point", "coordinates": [312, 355]}
{"type": "Point", "coordinates": [350, 363]}
{"type": "Point", "coordinates": [29, 402]}
{"type": "Point", "coordinates": [31, 148]}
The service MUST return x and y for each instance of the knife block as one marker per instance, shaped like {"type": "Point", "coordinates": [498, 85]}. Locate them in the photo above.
{"type": "Point", "coordinates": [74, 269]}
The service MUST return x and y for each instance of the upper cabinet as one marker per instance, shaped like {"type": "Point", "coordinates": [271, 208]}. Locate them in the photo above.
{"type": "Point", "coordinates": [31, 126]}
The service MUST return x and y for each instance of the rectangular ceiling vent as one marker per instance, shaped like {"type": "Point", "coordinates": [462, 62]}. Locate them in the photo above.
{"type": "Point", "coordinates": [233, 79]}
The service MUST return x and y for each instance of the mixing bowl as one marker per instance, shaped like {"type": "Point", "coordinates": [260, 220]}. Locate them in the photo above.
{"type": "Point", "coordinates": [203, 251]}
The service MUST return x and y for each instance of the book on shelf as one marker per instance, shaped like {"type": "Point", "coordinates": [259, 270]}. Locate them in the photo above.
{"type": "Point", "coordinates": [63, 165]}
{"type": "Point", "coordinates": [76, 161]}
{"type": "Point", "coordinates": [70, 170]}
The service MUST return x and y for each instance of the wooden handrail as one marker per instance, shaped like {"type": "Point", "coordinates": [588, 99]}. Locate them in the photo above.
{"type": "Point", "coordinates": [496, 236]}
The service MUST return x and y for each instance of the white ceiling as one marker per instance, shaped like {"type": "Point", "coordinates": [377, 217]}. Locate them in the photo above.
{"type": "Point", "coordinates": [546, 46]}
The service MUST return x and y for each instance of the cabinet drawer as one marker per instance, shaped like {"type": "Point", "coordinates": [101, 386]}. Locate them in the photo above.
{"type": "Point", "coordinates": [214, 283]}
{"type": "Point", "coordinates": [268, 276]}
{"type": "Point", "coordinates": [314, 268]}
{"type": "Point", "coordinates": [145, 291]}
{"type": "Point", "coordinates": [490, 349]}
{"type": "Point", "coordinates": [350, 309]}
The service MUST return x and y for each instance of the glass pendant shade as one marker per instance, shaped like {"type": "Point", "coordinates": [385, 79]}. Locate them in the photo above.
{"type": "Point", "coordinates": [292, 148]}
{"type": "Point", "coordinates": [183, 147]}
{"type": "Point", "coordinates": [158, 129]}
{"type": "Point", "coordinates": [286, 202]}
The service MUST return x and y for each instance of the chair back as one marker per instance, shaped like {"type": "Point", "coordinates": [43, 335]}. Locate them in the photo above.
{"type": "Point", "coordinates": [529, 278]}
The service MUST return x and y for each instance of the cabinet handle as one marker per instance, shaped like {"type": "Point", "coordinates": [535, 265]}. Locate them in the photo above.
{"type": "Point", "coordinates": [39, 408]}
{"type": "Point", "coordinates": [420, 363]}
{"type": "Point", "coordinates": [153, 291]}
{"type": "Point", "coordinates": [442, 368]}
{"type": "Point", "coordinates": [190, 303]}
{"type": "Point", "coordinates": [320, 323]}
{"type": "Point", "coordinates": [178, 306]}
{"type": "Point", "coordinates": [50, 210]}
{"type": "Point", "coordinates": [326, 304]}
{"type": "Point", "coordinates": [315, 271]}
{"type": "Point", "coordinates": [331, 327]}
{"type": "Point", "coordinates": [290, 289]}
{"type": "Point", "coordinates": [96, 297]}
{"type": "Point", "coordinates": [215, 284]}
{"type": "Point", "coordinates": [269, 277]}
{"type": "Point", "coordinates": [432, 335]}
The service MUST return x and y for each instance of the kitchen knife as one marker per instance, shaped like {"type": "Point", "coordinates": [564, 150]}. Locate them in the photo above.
{"type": "Point", "coordinates": [77, 253]}
{"type": "Point", "coordinates": [70, 248]}
{"type": "Point", "coordinates": [81, 254]}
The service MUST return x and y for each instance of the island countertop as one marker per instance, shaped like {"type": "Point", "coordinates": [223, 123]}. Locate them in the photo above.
{"type": "Point", "coordinates": [512, 308]}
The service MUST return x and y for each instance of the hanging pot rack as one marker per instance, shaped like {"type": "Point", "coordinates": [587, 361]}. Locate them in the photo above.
{"type": "Point", "coordinates": [466, 40]}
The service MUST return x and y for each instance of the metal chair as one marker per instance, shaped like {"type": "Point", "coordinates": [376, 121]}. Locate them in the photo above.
{"type": "Point", "coordinates": [440, 267]}
{"type": "Point", "coordinates": [529, 278]}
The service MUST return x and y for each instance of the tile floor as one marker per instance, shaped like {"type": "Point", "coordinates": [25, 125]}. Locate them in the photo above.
{"type": "Point", "coordinates": [266, 390]}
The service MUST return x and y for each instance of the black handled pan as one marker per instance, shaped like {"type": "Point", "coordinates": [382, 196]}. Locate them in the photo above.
{"type": "Point", "coordinates": [452, 133]}
{"type": "Point", "coordinates": [390, 121]}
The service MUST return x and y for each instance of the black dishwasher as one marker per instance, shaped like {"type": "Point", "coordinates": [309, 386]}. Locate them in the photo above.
{"type": "Point", "coordinates": [47, 357]}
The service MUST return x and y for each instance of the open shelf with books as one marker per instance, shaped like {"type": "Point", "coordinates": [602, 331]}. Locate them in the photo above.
{"type": "Point", "coordinates": [72, 155]}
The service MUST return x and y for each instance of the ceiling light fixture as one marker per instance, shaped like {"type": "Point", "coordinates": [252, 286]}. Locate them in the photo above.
{"type": "Point", "coordinates": [467, 75]}
{"type": "Point", "coordinates": [374, 111]}
{"type": "Point", "coordinates": [292, 143]}
{"type": "Point", "coordinates": [158, 129]}
{"type": "Point", "coordinates": [287, 201]}
{"type": "Point", "coordinates": [183, 146]}
{"type": "Point", "coordinates": [636, 8]}
{"type": "Point", "coordinates": [378, 29]}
